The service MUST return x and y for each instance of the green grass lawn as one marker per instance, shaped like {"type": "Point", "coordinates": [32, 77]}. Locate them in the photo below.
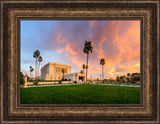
{"type": "Point", "coordinates": [80, 94]}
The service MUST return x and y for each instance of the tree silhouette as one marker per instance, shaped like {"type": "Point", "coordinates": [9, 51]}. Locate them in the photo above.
{"type": "Point", "coordinates": [102, 62]}
{"type": "Point", "coordinates": [121, 77]}
{"type": "Point", "coordinates": [36, 54]}
{"type": "Point", "coordinates": [87, 49]}
{"type": "Point", "coordinates": [31, 70]}
{"type": "Point", "coordinates": [63, 71]}
{"type": "Point", "coordinates": [83, 67]}
{"type": "Point", "coordinates": [39, 60]}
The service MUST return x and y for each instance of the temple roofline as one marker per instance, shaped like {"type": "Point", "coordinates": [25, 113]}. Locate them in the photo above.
{"type": "Point", "coordinates": [58, 64]}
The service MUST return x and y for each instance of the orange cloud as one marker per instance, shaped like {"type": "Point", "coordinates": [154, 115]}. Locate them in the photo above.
{"type": "Point", "coordinates": [68, 49]}
{"type": "Point", "coordinates": [116, 41]}
{"type": "Point", "coordinates": [126, 40]}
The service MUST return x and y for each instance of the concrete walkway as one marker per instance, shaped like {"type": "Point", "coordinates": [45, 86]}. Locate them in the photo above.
{"type": "Point", "coordinates": [123, 85]}
{"type": "Point", "coordinates": [51, 85]}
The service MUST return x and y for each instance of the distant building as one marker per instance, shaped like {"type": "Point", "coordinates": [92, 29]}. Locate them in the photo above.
{"type": "Point", "coordinates": [75, 76]}
{"type": "Point", "coordinates": [53, 71]}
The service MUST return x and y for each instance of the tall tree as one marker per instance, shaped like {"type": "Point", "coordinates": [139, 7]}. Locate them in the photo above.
{"type": "Point", "coordinates": [121, 78]}
{"type": "Point", "coordinates": [128, 74]}
{"type": "Point", "coordinates": [102, 62]}
{"type": "Point", "coordinates": [117, 78]}
{"type": "Point", "coordinates": [81, 71]}
{"type": "Point", "coordinates": [87, 49]}
{"type": "Point", "coordinates": [128, 77]}
{"type": "Point", "coordinates": [63, 71]}
{"type": "Point", "coordinates": [31, 70]}
{"type": "Point", "coordinates": [36, 54]}
{"type": "Point", "coordinates": [83, 67]}
{"type": "Point", "coordinates": [39, 60]}
{"type": "Point", "coordinates": [30, 67]}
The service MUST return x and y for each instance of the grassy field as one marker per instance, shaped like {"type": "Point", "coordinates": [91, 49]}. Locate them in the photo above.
{"type": "Point", "coordinates": [80, 94]}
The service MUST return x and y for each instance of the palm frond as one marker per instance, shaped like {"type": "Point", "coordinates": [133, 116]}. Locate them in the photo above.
{"type": "Point", "coordinates": [88, 47]}
{"type": "Point", "coordinates": [40, 59]}
{"type": "Point", "coordinates": [36, 54]}
{"type": "Point", "coordinates": [102, 61]}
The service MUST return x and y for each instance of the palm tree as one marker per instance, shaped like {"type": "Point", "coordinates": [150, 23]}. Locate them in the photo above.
{"type": "Point", "coordinates": [81, 71]}
{"type": "Point", "coordinates": [87, 49]}
{"type": "Point", "coordinates": [39, 60]}
{"type": "Point", "coordinates": [30, 67]}
{"type": "Point", "coordinates": [121, 77]}
{"type": "Point", "coordinates": [83, 67]}
{"type": "Point", "coordinates": [117, 78]}
{"type": "Point", "coordinates": [127, 79]}
{"type": "Point", "coordinates": [31, 70]}
{"type": "Point", "coordinates": [63, 71]}
{"type": "Point", "coordinates": [102, 62]}
{"type": "Point", "coordinates": [128, 74]}
{"type": "Point", "coordinates": [36, 54]}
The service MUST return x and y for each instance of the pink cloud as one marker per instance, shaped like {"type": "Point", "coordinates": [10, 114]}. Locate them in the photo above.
{"type": "Point", "coordinates": [116, 41]}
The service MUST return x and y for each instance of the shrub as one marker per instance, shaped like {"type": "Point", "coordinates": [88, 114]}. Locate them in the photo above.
{"type": "Point", "coordinates": [63, 80]}
{"type": "Point", "coordinates": [60, 82]}
{"type": "Point", "coordinates": [133, 82]}
{"type": "Point", "coordinates": [105, 80]}
{"type": "Point", "coordinates": [38, 79]}
{"type": "Point", "coordinates": [75, 82]}
{"type": "Point", "coordinates": [35, 82]}
{"type": "Point", "coordinates": [69, 79]}
{"type": "Point", "coordinates": [31, 80]}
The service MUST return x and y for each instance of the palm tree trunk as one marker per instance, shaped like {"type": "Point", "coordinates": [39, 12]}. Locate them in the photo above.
{"type": "Point", "coordinates": [87, 67]}
{"type": "Point", "coordinates": [102, 72]}
{"type": "Point", "coordinates": [39, 69]}
{"type": "Point", "coordinates": [35, 68]}
{"type": "Point", "coordinates": [30, 74]}
{"type": "Point", "coordinates": [63, 75]}
{"type": "Point", "coordinates": [83, 75]}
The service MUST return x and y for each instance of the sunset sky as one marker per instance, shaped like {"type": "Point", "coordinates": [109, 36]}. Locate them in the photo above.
{"type": "Point", "coordinates": [63, 41]}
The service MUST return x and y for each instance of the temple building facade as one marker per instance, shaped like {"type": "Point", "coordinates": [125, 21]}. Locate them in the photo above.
{"type": "Point", "coordinates": [53, 71]}
{"type": "Point", "coordinates": [76, 76]}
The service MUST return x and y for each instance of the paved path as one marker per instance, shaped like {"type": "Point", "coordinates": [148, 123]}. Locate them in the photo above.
{"type": "Point", "coordinates": [51, 85]}
{"type": "Point", "coordinates": [81, 84]}
{"type": "Point", "coordinates": [129, 85]}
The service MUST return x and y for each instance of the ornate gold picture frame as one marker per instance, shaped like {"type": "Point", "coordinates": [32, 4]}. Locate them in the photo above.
{"type": "Point", "coordinates": [14, 112]}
